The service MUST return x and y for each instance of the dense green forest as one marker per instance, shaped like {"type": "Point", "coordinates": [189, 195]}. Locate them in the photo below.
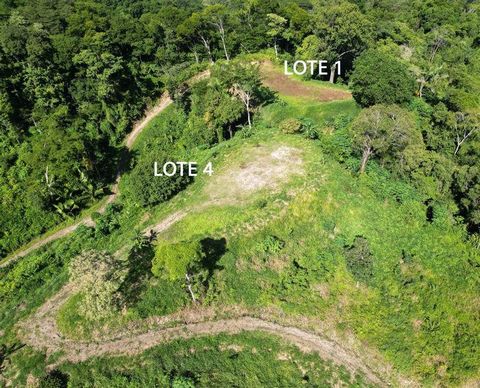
{"type": "Point", "coordinates": [76, 74]}
{"type": "Point", "coordinates": [377, 229]}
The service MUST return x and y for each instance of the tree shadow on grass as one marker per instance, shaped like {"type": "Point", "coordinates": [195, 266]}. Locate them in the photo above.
{"type": "Point", "coordinates": [139, 263]}
{"type": "Point", "coordinates": [214, 249]}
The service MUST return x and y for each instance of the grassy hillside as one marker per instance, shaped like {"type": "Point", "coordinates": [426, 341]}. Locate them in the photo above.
{"type": "Point", "coordinates": [292, 228]}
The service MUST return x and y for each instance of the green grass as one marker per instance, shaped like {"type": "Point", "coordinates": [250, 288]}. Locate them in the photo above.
{"type": "Point", "coordinates": [244, 360]}
{"type": "Point", "coordinates": [319, 112]}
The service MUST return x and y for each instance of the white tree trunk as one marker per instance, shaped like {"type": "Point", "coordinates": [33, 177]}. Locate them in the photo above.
{"type": "Point", "coordinates": [420, 89]}
{"type": "Point", "coordinates": [221, 29]}
{"type": "Point", "coordinates": [247, 104]}
{"type": "Point", "coordinates": [207, 46]}
{"type": "Point", "coordinates": [366, 154]}
{"type": "Point", "coordinates": [189, 287]}
{"type": "Point", "coordinates": [332, 73]}
{"type": "Point", "coordinates": [466, 135]}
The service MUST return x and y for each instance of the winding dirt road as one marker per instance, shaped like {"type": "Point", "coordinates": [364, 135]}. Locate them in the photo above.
{"type": "Point", "coordinates": [41, 332]}
{"type": "Point", "coordinates": [129, 141]}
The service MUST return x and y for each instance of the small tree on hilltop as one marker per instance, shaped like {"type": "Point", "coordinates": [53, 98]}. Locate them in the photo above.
{"type": "Point", "coordinates": [242, 82]}
{"type": "Point", "coordinates": [383, 130]}
{"type": "Point", "coordinates": [181, 260]}
{"type": "Point", "coordinates": [277, 29]}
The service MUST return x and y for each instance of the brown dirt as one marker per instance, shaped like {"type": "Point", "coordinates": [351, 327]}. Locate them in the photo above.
{"type": "Point", "coordinates": [41, 332]}
{"type": "Point", "coordinates": [166, 223]}
{"type": "Point", "coordinates": [290, 87]}
{"type": "Point", "coordinates": [262, 169]}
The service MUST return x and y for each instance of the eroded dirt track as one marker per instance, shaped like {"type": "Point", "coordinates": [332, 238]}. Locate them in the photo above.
{"type": "Point", "coordinates": [41, 332]}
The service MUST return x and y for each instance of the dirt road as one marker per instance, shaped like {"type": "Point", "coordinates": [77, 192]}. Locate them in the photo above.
{"type": "Point", "coordinates": [162, 104]}
{"type": "Point", "coordinates": [41, 332]}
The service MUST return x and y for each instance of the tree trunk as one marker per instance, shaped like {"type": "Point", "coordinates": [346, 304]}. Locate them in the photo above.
{"type": "Point", "coordinates": [276, 48]}
{"type": "Point", "coordinates": [247, 104]}
{"type": "Point", "coordinates": [332, 73]}
{"type": "Point", "coordinates": [457, 148]}
{"type": "Point", "coordinates": [366, 154]}
{"type": "Point", "coordinates": [189, 287]}
{"type": "Point", "coordinates": [420, 89]}
{"type": "Point", "coordinates": [219, 132]}
{"type": "Point", "coordinates": [196, 56]}
{"type": "Point", "coordinates": [222, 36]}
{"type": "Point", "coordinates": [207, 46]}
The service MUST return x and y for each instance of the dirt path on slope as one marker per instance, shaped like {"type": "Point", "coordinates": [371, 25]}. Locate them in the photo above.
{"type": "Point", "coordinates": [162, 104]}
{"type": "Point", "coordinates": [291, 87]}
{"type": "Point", "coordinates": [41, 332]}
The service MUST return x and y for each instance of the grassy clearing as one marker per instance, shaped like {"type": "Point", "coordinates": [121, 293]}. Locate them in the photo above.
{"type": "Point", "coordinates": [278, 69]}
{"type": "Point", "coordinates": [319, 112]}
{"type": "Point", "coordinates": [317, 216]}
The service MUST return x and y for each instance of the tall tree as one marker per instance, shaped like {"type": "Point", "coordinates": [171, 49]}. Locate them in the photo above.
{"type": "Point", "coordinates": [181, 260]}
{"type": "Point", "coordinates": [383, 131]}
{"type": "Point", "coordinates": [344, 32]}
{"type": "Point", "coordinates": [379, 78]}
{"type": "Point", "coordinates": [218, 16]}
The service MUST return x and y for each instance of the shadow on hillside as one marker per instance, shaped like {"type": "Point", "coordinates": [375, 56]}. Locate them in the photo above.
{"type": "Point", "coordinates": [214, 249]}
{"type": "Point", "coordinates": [139, 262]}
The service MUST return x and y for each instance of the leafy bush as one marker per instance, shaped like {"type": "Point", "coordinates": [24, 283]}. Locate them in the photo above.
{"type": "Point", "coordinates": [360, 260]}
{"type": "Point", "coordinates": [144, 189]}
{"type": "Point", "coordinates": [108, 221]}
{"type": "Point", "coordinates": [291, 126]}
{"type": "Point", "coordinates": [182, 382]}
{"type": "Point", "coordinates": [309, 129]}
{"type": "Point", "coordinates": [21, 272]}
{"type": "Point", "coordinates": [99, 276]}
{"type": "Point", "coordinates": [379, 78]}
{"type": "Point", "coordinates": [54, 379]}
{"type": "Point", "coordinates": [270, 244]}
{"type": "Point", "coordinates": [175, 260]}
{"type": "Point", "coordinates": [306, 271]}
{"type": "Point", "coordinates": [183, 260]}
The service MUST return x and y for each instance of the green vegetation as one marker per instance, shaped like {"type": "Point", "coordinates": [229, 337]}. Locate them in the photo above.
{"type": "Point", "coordinates": [379, 78]}
{"type": "Point", "coordinates": [97, 274]}
{"type": "Point", "coordinates": [359, 216]}
{"type": "Point", "coordinates": [384, 131]}
{"type": "Point", "coordinates": [244, 360]}
{"type": "Point", "coordinates": [181, 260]}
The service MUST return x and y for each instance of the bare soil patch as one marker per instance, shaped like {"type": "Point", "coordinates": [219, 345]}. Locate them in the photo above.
{"type": "Point", "coordinates": [261, 169]}
{"type": "Point", "coordinates": [290, 87]}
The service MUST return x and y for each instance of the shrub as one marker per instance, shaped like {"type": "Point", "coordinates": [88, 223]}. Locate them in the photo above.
{"type": "Point", "coordinates": [108, 221]}
{"type": "Point", "coordinates": [99, 276]}
{"type": "Point", "coordinates": [182, 382]}
{"type": "Point", "coordinates": [183, 260]}
{"type": "Point", "coordinates": [360, 260]}
{"type": "Point", "coordinates": [270, 244]}
{"type": "Point", "coordinates": [54, 379]}
{"type": "Point", "coordinates": [291, 126]}
{"type": "Point", "coordinates": [147, 190]}
{"type": "Point", "coordinates": [309, 129]}
{"type": "Point", "coordinates": [174, 260]}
